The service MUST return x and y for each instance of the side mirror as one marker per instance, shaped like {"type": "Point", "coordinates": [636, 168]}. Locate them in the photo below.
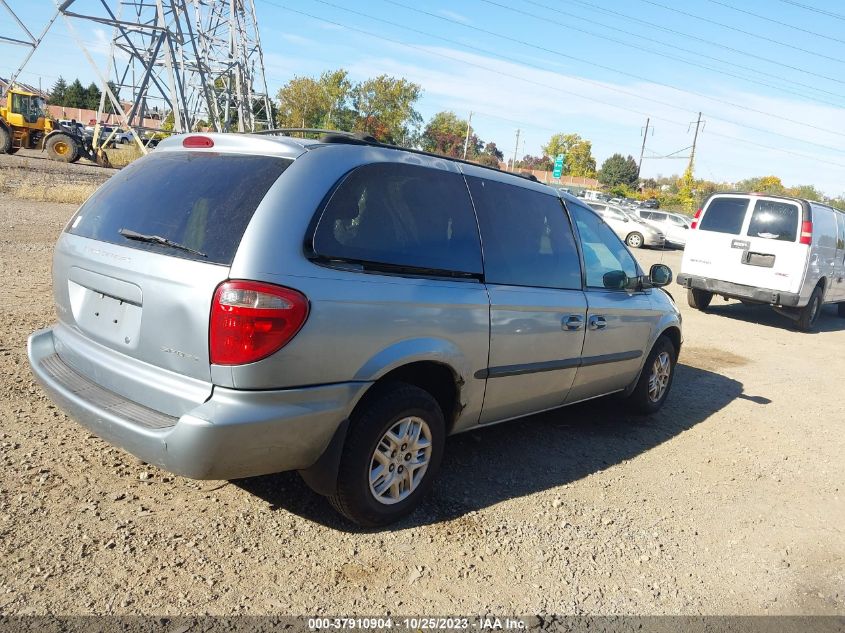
{"type": "Point", "coordinates": [615, 280]}
{"type": "Point", "coordinates": [660, 275]}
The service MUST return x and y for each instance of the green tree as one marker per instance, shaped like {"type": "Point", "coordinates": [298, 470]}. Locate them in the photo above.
{"type": "Point", "coordinates": [686, 190]}
{"type": "Point", "coordinates": [57, 94]}
{"type": "Point", "coordinates": [92, 97]}
{"type": "Point", "coordinates": [317, 103]}
{"type": "Point", "coordinates": [808, 192]}
{"type": "Point", "coordinates": [384, 108]}
{"type": "Point", "coordinates": [540, 163]}
{"type": "Point", "coordinates": [490, 156]}
{"type": "Point", "coordinates": [446, 134]}
{"type": "Point", "coordinates": [762, 184]}
{"type": "Point", "coordinates": [618, 170]}
{"type": "Point", "coordinates": [578, 154]}
{"type": "Point", "coordinates": [75, 95]}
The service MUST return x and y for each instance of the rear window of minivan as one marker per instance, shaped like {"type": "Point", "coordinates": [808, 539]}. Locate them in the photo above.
{"type": "Point", "coordinates": [724, 215]}
{"type": "Point", "coordinates": [200, 200]}
{"type": "Point", "coordinates": [774, 220]}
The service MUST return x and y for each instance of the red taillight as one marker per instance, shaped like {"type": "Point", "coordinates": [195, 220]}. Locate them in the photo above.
{"type": "Point", "coordinates": [806, 233]}
{"type": "Point", "coordinates": [695, 219]}
{"type": "Point", "coordinates": [197, 141]}
{"type": "Point", "coordinates": [251, 320]}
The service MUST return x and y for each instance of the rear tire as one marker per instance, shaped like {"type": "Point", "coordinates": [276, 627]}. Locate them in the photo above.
{"type": "Point", "coordinates": [699, 299]}
{"type": "Point", "coordinates": [5, 141]}
{"type": "Point", "coordinates": [634, 240]}
{"type": "Point", "coordinates": [63, 148]}
{"type": "Point", "coordinates": [362, 495]}
{"type": "Point", "coordinates": [655, 381]}
{"type": "Point", "coordinates": [809, 314]}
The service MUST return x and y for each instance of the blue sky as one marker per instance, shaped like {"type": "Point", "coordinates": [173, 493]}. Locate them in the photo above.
{"type": "Point", "coordinates": [772, 91]}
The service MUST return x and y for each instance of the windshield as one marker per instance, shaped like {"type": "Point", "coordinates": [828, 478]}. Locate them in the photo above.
{"type": "Point", "coordinates": [31, 107]}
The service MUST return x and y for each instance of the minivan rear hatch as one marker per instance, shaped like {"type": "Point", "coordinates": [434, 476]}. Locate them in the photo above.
{"type": "Point", "coordinates": [137, 266]}
{"type": "Point", "coordinates": [751, 240]}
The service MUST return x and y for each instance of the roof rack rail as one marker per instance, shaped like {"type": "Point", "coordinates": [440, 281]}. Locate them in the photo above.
{"type": "Point", "coordinates": [362, 138]}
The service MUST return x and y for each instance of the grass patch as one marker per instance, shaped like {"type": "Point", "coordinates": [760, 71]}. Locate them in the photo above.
{"type": "Point", "coordinates": [70, 193]}
{"type": "Point", "coordinates": [122, 155]}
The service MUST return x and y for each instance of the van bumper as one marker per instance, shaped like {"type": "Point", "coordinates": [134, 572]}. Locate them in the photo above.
{"type": "Point", "coordinates": [231, 435]}
{"type": "Point", "coordinates": [739, 291]}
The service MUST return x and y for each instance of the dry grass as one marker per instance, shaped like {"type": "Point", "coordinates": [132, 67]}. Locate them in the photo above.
{"type": "Point", "coordinates": [122, 155]}
{"type": "Point", "coordinates": [71, 193]}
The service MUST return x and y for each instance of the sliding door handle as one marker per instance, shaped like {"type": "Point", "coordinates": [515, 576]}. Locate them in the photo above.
{"type": "Point", "coordinates": [572, 323]}
{"type": "Point", "coordinates": [597, 322]}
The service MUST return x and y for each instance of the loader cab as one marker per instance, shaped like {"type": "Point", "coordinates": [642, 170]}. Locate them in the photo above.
{"type": "Point", "coordinates": [24, 109]}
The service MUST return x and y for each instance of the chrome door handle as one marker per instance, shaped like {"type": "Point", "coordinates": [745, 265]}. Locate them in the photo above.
{"type": "Point", "coordinates": [597, 322]}
{"type": "Point", "coordinates": [572, 323]}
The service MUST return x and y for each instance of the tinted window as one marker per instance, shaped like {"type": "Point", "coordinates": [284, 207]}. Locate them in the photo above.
{"type": "Point", "coordinates": [201, 200]}
{"type": "Point", "coordinates": [657, 217]}
{"type": "Point", "coordinates": [774, 221]}
{"type": "Point", "coordinates": [527, 237]}
{"type": "Point", "coordinates": [402, 215]}
{"type": "Point", "coordinates": [603, 251]}
{"type": "Point", "coordinates": [724, 215]}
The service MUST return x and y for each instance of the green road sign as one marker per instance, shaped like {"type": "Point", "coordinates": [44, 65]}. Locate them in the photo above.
{"type": "Point", "coordinates": [558, 166]}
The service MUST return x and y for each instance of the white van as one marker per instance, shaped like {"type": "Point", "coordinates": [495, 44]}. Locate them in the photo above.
{"type": "Point", "coordinates": [784, 252]}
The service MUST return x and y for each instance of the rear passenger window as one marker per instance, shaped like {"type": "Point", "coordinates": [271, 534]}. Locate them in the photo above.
{"type": "Point", "coordinates": [774, 221]}
{"type": "Point", "coordinates": [527, 237]}
{"type": "Point", "coordinates": [402, 215]}
{"type": "Point", "coordinates": [724, 215]}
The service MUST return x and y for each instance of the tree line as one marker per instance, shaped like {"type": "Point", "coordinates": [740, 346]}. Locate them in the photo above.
{"type": "Point", "coordinates": [75, 95]}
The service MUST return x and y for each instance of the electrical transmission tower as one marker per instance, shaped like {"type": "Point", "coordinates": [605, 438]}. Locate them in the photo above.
{"type": "Point", "coordinates": [194, 60]}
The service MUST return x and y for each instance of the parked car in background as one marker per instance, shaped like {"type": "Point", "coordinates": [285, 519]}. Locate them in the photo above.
{"type": "Point", "coordinates": [270, 303]}
{"type": "Point", "coordinates": [635, 232]}
{"type": "Point", "coordinates": [785, 252]}
{"type": "Point", "coordinates": [675, 227]}
{"type": "Point", "coordinates": [651, 203]}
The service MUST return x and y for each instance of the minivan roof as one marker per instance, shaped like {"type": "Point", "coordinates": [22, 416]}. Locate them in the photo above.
{"type": "Point", "coordinates": [805, 202]}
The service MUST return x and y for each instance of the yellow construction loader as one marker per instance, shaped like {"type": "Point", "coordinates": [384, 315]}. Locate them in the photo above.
{"type": "Point", "coordinates": [24, 124]}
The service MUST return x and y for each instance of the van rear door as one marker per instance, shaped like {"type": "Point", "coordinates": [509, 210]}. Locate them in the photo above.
{"type": "Point", "coordinates": [749, 240]}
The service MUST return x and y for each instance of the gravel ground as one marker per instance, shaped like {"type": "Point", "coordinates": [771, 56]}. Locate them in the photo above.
{"type": "Point", "coordinates": [729, 501]}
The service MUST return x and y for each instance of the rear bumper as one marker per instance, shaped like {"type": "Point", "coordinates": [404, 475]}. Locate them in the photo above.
{"type": "Point", "coordinates": [231, 435]}
{"type": "Point", "coordinates": [738, 291]}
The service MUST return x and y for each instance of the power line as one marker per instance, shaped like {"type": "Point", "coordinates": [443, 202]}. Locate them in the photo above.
{"type": "Point", "coordinates": [590, 100]}
{"type": "Point", "coordinates": [697, 53]}
{"type": "Point", "coordinates": [768, 19]}
{"type": "Point", "coordinates": [749, 33]}
{"type": "Point", "coordinates": [585, 61]}
{"type": "Point", "coordinates": [830, 14]}
{"type": "Point", "coordinates": [592, 7]}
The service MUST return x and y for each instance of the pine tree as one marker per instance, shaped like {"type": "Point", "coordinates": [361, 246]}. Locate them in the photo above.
{"type": "Point", "coordinates": [75, 95]}
{"type": "Point", "coordinates": [92, 97]}
{"type": "Point", "coordinates": [57, 94]}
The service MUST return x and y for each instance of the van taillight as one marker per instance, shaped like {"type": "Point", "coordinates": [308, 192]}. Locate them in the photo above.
{"type": "Point", "coordinates": [695, 219]}
{"type": "Point", "coordinates": [252, 320]}
{"type": "Point", "coordinates": [806, 233]}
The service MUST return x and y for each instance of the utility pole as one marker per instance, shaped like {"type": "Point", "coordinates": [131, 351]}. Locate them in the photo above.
{"type": "Point", "coordinates": [642, 149]}
{"type": "Point", "coordinates": [515, 150]}
{"type": "Point", "coordinates": [466, 140]}
{"type": "Point", "coordinates": [694, 141]}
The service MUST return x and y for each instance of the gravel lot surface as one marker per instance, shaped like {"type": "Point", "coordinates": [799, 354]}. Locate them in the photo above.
{"type": "Point", "coordinates": [730, 500]}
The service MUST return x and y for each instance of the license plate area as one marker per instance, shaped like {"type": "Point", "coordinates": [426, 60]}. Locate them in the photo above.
{"type": "Point", "coordinates": [105, 318]}
{"type": "Point", "coordinates": [764, 260]}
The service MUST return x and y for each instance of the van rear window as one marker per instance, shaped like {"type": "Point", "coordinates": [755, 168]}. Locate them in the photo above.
{"type": "Point", "coordinates": [724, 215]}
{"type": "Point", "coordinates": [774, 221]}
{"type": "Point", "coordinates": [200, 200]}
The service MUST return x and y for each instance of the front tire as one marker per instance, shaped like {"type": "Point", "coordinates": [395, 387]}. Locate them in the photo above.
{"type": "Point", "coordinates": [634, 240]}
{"type": "Point", "coordinates": [699, 299]}
{"type": "Point", "coordinates": [391, 455]}
{"type": "Point", "coordinates": [809, 314]}
{"type": "Point", "coordinates": [656, 378]}
{"type": "Point", "coordinates": [63, 148]}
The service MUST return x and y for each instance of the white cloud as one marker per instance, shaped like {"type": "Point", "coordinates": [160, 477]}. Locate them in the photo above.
{"type": "Point", "coordinates": [452, 15]}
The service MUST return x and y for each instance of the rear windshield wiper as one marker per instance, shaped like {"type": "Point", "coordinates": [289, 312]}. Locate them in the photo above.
{"type": "Point", "coordinates": [129, 234]}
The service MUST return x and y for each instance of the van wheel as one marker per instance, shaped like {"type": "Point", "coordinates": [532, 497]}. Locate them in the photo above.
{"type": "Point", "coordinates": [634, 240]}
{"type": "Point", "coordinates": [392, 453]}
{"type": "Point", "coordinates": [699, 299]}
{"type": "Point", "coordinates": [809, 314]}
{"type": "Point", "coordinates": [656, 378]}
